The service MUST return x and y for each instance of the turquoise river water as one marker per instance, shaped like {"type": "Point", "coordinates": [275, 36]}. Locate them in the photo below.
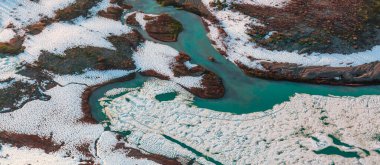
{"type": "Point", "coordinates": [243, 94]}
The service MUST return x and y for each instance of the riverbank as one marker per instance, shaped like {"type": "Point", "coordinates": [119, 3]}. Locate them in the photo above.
{"type": "Point", "coordinates": [234, 40]}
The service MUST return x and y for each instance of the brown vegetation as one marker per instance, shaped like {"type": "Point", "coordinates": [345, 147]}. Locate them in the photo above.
{"type": "Point", "coordinates": [325, 26]}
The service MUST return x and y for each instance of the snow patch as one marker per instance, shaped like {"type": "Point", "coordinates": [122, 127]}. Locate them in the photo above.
{"type": "Point", "coordinates": [6, 35]}
{"type": "Point", "coordinates": [59, 37]}
{"type": "Point", "coordinates": [22, 13]}
{"type": "Point", "coordinates": [158, 57]}
{"type": "Point", "coordinates": [13, 155]}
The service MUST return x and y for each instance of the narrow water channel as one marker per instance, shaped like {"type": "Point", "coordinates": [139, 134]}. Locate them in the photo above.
{"type": "Point", "coordinates": [243, 94]}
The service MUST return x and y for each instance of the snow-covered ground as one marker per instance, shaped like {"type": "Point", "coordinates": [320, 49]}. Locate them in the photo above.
{"type": "Point", "coordinates": [158, 57]}
{"type": "Point", "coordinates": [140, 18]}
{"type": "Point", "coordinates": [6, 35]}
{"type": "Point", "coordinates": [273, 3]}
{"type": "Point", "coordinates": [19, 156]}
{"type": "Point", "coordinates": [22, 13]}
{"type": "Point", "coordinates": [281, 135]}
{"type": "Point", "coordinates": [60, 116]}
{"type": "Point", "coordinates": [238, 46]}
{"type": "Point", "coordinates": [59, 37]}
{"type": "Point", "coordinates": [223, 136]}
{"type": "Point", "coordinates": [109, 155]}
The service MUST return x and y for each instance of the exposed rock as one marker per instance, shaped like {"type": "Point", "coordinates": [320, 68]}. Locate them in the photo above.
{"type": "Point", "coordinates": [121, 4]}
{"type": "Point", "coordinates": [210, 58]}
{"type": "Point", "coordinates": [37, 28]}
{"type": "Point", "coordinates": [366, 74]}
{"type": "Point", "coordinates": [31, 141]}
{"type": "Point", "coordinates": [18, 93]}
{"type": "Point", "coordinates": [328, 26]}
{"type": "Point", "coordinates": [78, 59]}
{"type": "Point", "coordinates": [135, 153]}
{"type": "Point", "coordinates": [131, 20]}
{"type": "Point", "coordinates": [153, 73]}
{"type": "Point", "coordinates": [79, 8]}
{"type": "Point", "coordinates": [194, 6]}
{"type": "Point", "coordinates": [13, 47]}
{"type": "Point", "coordinates": [212, 85]}
{"type": "Point", "coordinates": [112, 13]}
{"type": "Point", "coordinates": [163, 28]}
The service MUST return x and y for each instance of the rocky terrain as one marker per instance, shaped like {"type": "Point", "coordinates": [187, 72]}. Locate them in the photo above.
{"type": "Point", "coordinates": [316, 26]}
{"type": "Point", "coordinates": [367, 74]}
{"type": "Point", "coordinates": [162, 27]}
{"type": "Point", "coordinates": [313, 30]}
{"type": "Point", "coordinates": [51, 63]}
{"type": "Point", "coordinates": [194, 6]}
{"type": "Point", "coordinates": [55, 54]}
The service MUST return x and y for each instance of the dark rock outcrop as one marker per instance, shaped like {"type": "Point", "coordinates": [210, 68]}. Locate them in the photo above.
{"type": "Point", "coordinates": [193, 6]}
{"type": "Point", "coordinates": [112, 13]}
{"type": "Point", "coordinates": [31, 141]}
{"type": "Point", "coordinates": [18, 93]}
{"type": "Point", "coordinates": [328, 26]}
{"type": "Point", "coordinates": [79, 8]}
{"type": "Point", "coordinates": [78, 59]}
{"type": "Point", "coordinates": [365, 74]}
{"type": "Point", "coordinates": [163, 28]}
{"type": "Point", "coordinates": [13, 47]}
{"type": "Point", "coordinates": [212, 85]}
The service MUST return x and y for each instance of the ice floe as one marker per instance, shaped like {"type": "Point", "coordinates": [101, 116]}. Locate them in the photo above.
{"type": "Point", "coordinates": [289, 133]}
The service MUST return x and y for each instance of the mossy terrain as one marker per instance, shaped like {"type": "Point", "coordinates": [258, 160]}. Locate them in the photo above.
{"type": "Point", "coordinates": [79, 8]}
{"type": "Point", "coordinates": [163, 28]}
{"type": "Point", "coordinates": [13, 47]}
{"type": "Point", "coordinates": [75, 60]}
{"type": "Point", "coordinates": [326, 26]}
{"type": "Point", "coordinates": [212, 84]}
{"type": "Point", "coordinates": [112, 13]}
{"type": "Point", "coordinates": [78, 59]}
{"type": "Point", "coordinates": [37, 28]}
{"type": "Point", "coordinates": [18, 93]}
{"type": "Point", "coordinates": [193, 6]}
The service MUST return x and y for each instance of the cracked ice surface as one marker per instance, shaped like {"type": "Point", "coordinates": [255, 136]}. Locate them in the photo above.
{"type": "Point", "coordinates": [282, 134]}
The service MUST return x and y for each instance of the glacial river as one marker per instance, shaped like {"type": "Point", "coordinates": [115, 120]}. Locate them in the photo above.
{"type": "Point", "coordinates": [243, 94]}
